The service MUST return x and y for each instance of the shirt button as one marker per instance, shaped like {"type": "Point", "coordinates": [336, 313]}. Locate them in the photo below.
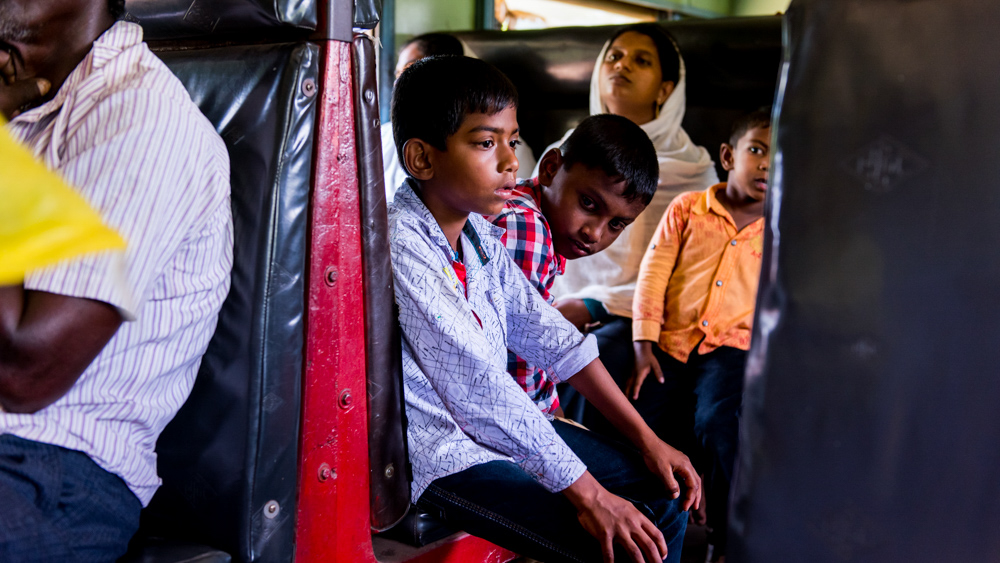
{"type": "Point", "coordinates": [704, 323]}
{"type": "Point", "coordinates": [718, 283]}
{"type": "Point", "coordinates": [733, 243]}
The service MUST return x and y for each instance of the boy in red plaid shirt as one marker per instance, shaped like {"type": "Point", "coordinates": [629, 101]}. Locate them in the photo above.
{"type": "Point", "coordinates": [587, 191]}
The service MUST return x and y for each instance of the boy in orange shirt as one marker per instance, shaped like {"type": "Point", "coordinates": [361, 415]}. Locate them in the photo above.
{"type": "Point", "coordinates": [695, 300]}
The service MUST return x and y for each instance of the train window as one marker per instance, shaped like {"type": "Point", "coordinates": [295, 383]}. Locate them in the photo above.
{"type": "Point", "coordinates": [541, 14]}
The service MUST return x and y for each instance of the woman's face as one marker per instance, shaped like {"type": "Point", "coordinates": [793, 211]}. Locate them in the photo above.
{"type": "Point", "coordinates": [631, 82]}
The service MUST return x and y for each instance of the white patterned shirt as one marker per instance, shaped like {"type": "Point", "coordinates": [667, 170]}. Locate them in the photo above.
{"type": "Point", "coordinates": [123, 130]}
{"type": "Point", "coordinates": [462, 407]}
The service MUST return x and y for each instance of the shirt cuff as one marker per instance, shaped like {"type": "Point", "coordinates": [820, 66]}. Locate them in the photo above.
{"type": "Point", "coordinates": [646, 330]}
{"type": "Point", "coordinates": [577, 359]}
{"type": "Point", "coordinates": [598, 312]}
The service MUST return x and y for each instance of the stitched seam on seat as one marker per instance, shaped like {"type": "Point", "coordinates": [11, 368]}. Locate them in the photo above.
{"type": "Point", "coordinates": [509, 524]}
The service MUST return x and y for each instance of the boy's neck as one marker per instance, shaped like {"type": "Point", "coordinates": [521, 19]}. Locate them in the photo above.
{"type": "Point", "coordinates": [450, 223]}
{"type": "Point", "coordinates": [743, 210]}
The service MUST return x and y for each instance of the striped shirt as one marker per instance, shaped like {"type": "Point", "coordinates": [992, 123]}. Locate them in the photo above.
{"type": "Point", "coordinates": [123, 130]}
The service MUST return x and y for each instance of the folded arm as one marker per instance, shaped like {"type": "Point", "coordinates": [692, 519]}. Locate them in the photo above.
{"type": "Point", "coordinates": [46, 342]}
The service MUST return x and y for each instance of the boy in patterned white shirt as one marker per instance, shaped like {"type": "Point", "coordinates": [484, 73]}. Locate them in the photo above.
{"type": "Point", "coordinates": [483, 457]}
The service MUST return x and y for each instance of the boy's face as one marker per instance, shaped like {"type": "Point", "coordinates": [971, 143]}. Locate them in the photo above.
{"type": "Point", "coordinates": [476, 174]}
{"type": "Point", "coordinates": [584, 207]}
{"type": "Point", "coordinates": [747, 163]}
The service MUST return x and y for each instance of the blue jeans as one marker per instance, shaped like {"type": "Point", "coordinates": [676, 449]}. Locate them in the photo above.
{"type": "Point", "coordinates": [695, 410]}
{"type": "Point", "coordinates": [498, 501]}
{"type": "Point", "coordinates": [58, 505]}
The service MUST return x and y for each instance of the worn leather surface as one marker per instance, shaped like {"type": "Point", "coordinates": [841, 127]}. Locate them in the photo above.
{"type": "Point", "coordinates": [367, 13]}
{"type": "Point", "coordinates": [229, 459]}
{"type": "Point", "coordinates": [732, 67]}
{"type": "Point", "coordinates": [184, 19]}
{"type": "Point", "coordinates": [388, 460]}
{"type": "Point", "coordinates": [871, 426]}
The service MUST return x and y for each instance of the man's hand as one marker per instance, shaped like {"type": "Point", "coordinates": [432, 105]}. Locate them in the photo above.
{"type": "Point", "coordinates": [645, 362]}
{"type": "Point", "coordinates": [612, 519]}
{"type": "Point", "coordinates": [575, 312]}
{"type": "Point", "coordinates": [665, 462]}
{"type": "Point", "coordinates": [14, 93]}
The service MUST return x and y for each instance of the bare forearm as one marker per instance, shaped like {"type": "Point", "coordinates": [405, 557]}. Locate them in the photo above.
{"type": "Point", "coordinates": [596, 385]}
{"type": "Point", "coordinates": [46, 342]}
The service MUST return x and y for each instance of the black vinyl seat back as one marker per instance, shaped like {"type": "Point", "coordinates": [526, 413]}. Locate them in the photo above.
{"type": "Point", "coordinates": [732, 68]}
{"type": "Point", "coordinates": [870, 418]}
{"type": "Point", "coordinates": [186, 19]}
{"type": "Point", "coordinates": [229, 459]}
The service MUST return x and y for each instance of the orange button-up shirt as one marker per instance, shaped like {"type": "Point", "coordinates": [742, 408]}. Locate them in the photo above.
{"type": "Point", "coordinates": [698, 279]}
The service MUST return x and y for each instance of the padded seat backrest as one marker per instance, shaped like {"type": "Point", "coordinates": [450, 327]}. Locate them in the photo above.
{"type": "Point", "coordinates": [229, 459]}
{"type": "Point", "coordinates": [732, 68]}
{"type": "Point", "coordinates": [870, 417]}
{"type": "Point", "coordinates": [185, 19]}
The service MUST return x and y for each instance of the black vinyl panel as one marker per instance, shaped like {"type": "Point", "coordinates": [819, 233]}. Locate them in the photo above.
{"type": "Point", "coordinates": [367, 13]}
{"type": "Point", "coordinates": [229, 459]}
{"type": "Point", "coordinates": [870, 419]}
{"type": "Point", "coordinates": [185, 19]}
{"type": "Point", "coordinates": [387, 456]}
{"type": "Point", "coordinates": [732, 67]}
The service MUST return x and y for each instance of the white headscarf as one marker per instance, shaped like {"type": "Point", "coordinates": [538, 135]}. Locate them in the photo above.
{"type": "Point", "coordinates": [610, 276]}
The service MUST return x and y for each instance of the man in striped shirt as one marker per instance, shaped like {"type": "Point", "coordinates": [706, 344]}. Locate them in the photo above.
{"type": "Point", "coordinates": [98, 354]}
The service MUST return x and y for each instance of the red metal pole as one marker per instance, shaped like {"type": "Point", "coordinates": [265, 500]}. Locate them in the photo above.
{"type": "Point", "coordinates": [333, 523]}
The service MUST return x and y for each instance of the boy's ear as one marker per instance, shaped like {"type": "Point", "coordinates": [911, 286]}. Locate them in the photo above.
{"type": "Point", "coordinates": [726, 156]}
{"type": "Point", "coordinates": [666, 88]}
{"type": "Point", "coordinates": [416, 159]}
{"type": "Point", "coordinates": [551, 162]}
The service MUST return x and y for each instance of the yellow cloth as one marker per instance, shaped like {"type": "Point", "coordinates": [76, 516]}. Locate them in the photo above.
{"type": "Point", "coordinates": [698, 279]}
{"type": "Point", "coordinates": [42, 220]}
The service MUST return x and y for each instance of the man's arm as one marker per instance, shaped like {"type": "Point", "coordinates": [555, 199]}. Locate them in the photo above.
{"type": "Point", "coordinates": [596, 385]}
{"type": "Point", "coordinates": [46, 342]}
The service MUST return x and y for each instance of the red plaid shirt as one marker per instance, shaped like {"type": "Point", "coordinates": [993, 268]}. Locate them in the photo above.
{"type": "Point", "coordinates": [529, 242]}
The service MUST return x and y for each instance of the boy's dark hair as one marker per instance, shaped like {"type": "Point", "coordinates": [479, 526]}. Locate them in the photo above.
{"type": "Point", "coordinates": [434, 95]}
{"type": "Point", "coordinates": [117, 8]}
{"type": "Point", "coordinates": [432, 44]}
{"type": "Point", "coordinates": [670, 62]}
{"type": "Point", "coordinates": [757, 118]}
{"type": "Point", "coordinates": [617, 147]}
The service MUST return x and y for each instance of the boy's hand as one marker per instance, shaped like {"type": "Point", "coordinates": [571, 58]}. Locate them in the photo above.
{"type": "Point", "coordinates": [14, 93]}
{"type": "Point", "coordinates": [612, 519]}
{"type": "Point", "coordinates": [645, 362]}
{"type": "Point", "coordinates": [666, 462]}
{"type": "Point", "coordinates": [575, 312]}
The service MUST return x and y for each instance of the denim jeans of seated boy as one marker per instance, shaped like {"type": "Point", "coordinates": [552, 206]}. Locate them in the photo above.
{"type": "Point", "coordinates": [695, 410]}
{"type": "Point", "coordinates": [498, 501]}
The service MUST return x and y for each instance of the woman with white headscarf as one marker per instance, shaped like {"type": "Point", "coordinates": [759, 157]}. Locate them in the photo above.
{"type": "Point", "coordinates": [640, 75]}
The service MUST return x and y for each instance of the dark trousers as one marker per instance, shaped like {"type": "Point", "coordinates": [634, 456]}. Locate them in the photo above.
{"type": "Point", "coordinates": [58, 505]}
{"type": "Point", "coordinates": [498, 501]}
{"type": "Point", "coordinates": [696, 409]}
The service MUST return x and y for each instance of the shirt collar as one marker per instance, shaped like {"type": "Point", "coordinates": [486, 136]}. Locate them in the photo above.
{"type": "Point", "coordinates": [476, 228]}
{"type": "Point", "coordinates": [711, 202]}
{"type": "Point", "coordinates": [119, 37]}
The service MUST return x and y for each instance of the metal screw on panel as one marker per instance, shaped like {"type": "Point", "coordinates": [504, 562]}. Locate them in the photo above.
{"type": "Point", "coordinates": [309, 87]}
{"type": "Point", "coordinates": [390, 470]}
{"type": "Point", "coordinates": [331, 276]}
{"type": "Point", "coordinates": [271, 509]}
{"type": "Point", "coordinates": [346, 399]}
{"type": "Point", "coordinates": [325, 472]}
